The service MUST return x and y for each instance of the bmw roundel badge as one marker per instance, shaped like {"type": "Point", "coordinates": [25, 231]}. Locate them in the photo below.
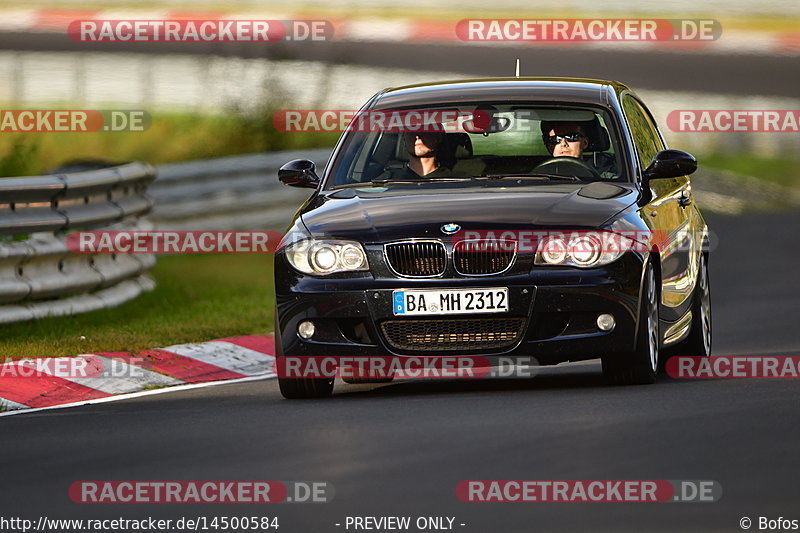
{"type": "Point", "coordinates": [449, 229]}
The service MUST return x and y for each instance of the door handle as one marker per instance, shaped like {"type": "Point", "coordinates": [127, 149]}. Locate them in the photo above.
{"type": "Point", "coordinates": [684, 200]}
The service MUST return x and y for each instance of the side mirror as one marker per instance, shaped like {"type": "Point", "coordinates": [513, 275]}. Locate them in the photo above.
{"type": "Point", "coordinates": [299, 173]}
{"type": "Point", "coordinates": [670, 164]}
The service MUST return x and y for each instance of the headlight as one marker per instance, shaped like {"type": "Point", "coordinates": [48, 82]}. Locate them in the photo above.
{"type": "Point", "coordinates": [554, 251]}
{"type": "Point", "coordinates": [585, 249]}
{"type": "Point", "coordinates": [317, 257]}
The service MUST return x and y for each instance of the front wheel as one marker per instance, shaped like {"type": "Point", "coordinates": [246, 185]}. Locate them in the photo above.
{"type": "Point", "coordinates": [297, 388]}
{"type": "Point", "coordinates": [640, 366]}
{"type": "Point", "coordinates": [698, 342]}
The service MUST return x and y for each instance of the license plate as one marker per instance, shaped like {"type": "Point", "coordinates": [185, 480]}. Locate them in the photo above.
{"type": "Point", "coordinates": [450, 301]}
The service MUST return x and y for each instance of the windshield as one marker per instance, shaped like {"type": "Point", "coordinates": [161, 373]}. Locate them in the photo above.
{"type": "Point", "coordinates": [468, 142]}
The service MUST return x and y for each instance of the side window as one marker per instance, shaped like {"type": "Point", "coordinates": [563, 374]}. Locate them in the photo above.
{"type": "Point", "coordinates": [645, 135]}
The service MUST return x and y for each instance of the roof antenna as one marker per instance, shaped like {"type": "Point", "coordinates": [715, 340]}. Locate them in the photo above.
{"type": "Point", "coordinates": [517, 69]}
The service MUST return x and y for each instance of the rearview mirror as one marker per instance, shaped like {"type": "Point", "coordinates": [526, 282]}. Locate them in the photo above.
{"type": "Point", "coordinates": [496, 125]}
{"type": "Point", "coordinates": [299, 173]}
{"type": "Point", "coordinates": [670, 164]}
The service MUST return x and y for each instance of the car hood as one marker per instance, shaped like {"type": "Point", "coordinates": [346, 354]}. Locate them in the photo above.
{"type": "Point", "coordinates": [386, 214]}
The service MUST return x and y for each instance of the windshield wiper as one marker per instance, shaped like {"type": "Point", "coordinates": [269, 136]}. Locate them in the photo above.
{"type": "Point", "coordinates": [352, 185]}
{"type": "Point", "coordinates": [547, 176]}
{"type": "Point", "coordinates": [421, 179]}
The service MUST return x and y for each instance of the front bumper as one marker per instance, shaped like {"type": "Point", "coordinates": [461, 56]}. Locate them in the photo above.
{"type": "Point", "coordinates": [559, 307]}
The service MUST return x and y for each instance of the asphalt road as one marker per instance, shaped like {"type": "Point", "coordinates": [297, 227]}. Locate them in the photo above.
{"type": "Point", "coordinates": [400, 449]}
{"type": "Point", "coordinates": [768, 74]}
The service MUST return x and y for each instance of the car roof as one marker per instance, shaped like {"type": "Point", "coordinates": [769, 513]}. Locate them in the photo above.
{"type": "Point", "coordinates": [565, 90]}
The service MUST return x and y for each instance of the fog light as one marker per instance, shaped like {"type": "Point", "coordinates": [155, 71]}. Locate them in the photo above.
{"type": "Point", "coordinates": [306, 329]}
{"type": "Point", "coordinates": [606, 322]}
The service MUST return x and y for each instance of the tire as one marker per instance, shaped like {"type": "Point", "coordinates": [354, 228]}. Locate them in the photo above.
{"type": "Point", "coordinates": [698, 342]}
{"type": "Point", "coordinates": [640, 367]}
{"type": "Point", "coordinates": [299, 388]}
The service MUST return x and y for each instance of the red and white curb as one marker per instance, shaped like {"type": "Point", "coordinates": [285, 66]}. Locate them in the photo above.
{"type": "Point", "coordinates": [386, 30]}
{"type": "Point", "coordinates": [104, 376]}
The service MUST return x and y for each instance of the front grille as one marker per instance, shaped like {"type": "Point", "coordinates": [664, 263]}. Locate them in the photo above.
{"type": "Point", "coordinates": [417, 258]}
{"type": "Point", "coordinates": [483, 257]}
{"type": "Point", "coordinates": [455, 334]}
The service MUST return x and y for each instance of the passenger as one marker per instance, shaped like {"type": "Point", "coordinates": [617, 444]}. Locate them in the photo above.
{"type": "Point", "coordinates": [425, 157]}
{"type": "Point", "coordinates": [424, 153]}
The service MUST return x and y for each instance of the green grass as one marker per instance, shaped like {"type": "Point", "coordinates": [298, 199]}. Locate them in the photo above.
{"type": "Point", "coordinates": [197, 298]}
{"type": "Point", "coordinates": [171, 137]}
{"type": "Point", "coordinates": [782, 171]}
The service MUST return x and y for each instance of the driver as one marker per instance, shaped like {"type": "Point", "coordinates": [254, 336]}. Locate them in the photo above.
{"type": "Point", "coordinates": [425, 151]}
{"type": "Point", "coordinates": [564, 139]}
{"type": "Point", "coordinates": [569, 139]}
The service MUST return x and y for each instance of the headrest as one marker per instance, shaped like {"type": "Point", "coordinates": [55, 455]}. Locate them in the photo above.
{"type": "Point", "coordinates": [385, 148]}
{"type": "Point", "coordinates": [459, 144]}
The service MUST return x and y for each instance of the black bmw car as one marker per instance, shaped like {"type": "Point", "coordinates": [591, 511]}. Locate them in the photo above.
{"type": "Point", "coordinates": [532, 217]}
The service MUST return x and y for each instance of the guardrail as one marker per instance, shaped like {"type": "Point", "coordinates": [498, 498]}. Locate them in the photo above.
{"type": "Point", "coordinates": [39, 276]}
{"type": "Point", "coordinates": [230, 193]}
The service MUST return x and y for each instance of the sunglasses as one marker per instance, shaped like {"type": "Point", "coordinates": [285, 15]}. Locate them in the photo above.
{"type": "Point", "coordinates": [421, 134]}
{"type": "Point", "coordinates": [569, 137]}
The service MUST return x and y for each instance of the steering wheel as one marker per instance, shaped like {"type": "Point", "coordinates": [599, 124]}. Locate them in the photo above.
{"type": "Point", "coordinates": [567, 166]}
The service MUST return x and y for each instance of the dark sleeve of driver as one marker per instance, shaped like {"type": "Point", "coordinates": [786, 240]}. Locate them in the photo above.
{"type": "Point", "coordinates": [605, 165]}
